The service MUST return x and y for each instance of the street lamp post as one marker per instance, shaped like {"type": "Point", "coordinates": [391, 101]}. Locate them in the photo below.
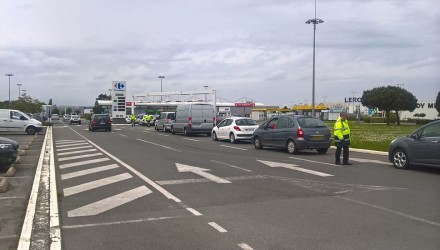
{"type": "Point", "coordinates": [353, 92]}
{"type": "Point", "coordinates": [315, 21]}
{"type": "Point", "coordinates": [9, 75]}
{"type": "Point", "coordinates": [206, 96]}
{"type": "Point", "coordinates": [19, 88]}
{"type": "Point", "coordinates": [161, 77]}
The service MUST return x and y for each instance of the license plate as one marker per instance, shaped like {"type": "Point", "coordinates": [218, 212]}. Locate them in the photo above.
{"type": "Point", "coordinates": [249, 129]}
{"type": "Point", "coordinates": [317, 137]}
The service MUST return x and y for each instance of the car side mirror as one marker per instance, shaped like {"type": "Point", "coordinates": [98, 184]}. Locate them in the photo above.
{"type": "Point", "coordinates": [414, 136]}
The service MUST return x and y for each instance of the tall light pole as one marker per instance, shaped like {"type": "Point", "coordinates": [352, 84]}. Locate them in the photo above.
{"type": "Point", "coordinates": [19, 88]}
{"type": "Point", "coordinates": [315, 21]}
{"type": "Point", "coordinates": [353, 92]}
{"type": "Point", "coordinates": [9, 75]}
{"type": "Point", "coordinates": [161, 77]}
{"type": "Point", "coordinates": [206, 96]}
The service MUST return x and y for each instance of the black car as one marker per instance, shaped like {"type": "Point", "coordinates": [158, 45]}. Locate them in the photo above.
{"type": "Point", "coordinates": [422, 147]}
{"type": "Point", "coordinates": [100, 121]}
{"type": "Point", "coordinates": [294, 133]}
{"type": "Point", "coordinates": [8, 151]}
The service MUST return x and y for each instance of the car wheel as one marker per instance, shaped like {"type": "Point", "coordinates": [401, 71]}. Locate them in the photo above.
{"type": "Point", "coordinates": [400, 159]}
{"type": "Point", "coordinates": [232, 138]}
{"type": "Point", "coordinates": [291, 147]}
{"type": "Point", "coordinates": [322, 150]}
{"type": "Point", "coordinates": [185, 132]}
{"type": "Point", "coordinates": [214, 136]}
{"type": "Point", "coordinates": [164, 129]}
{"type": "Point", "coordinates": [31, 131]}
{"type": "Point", "coordinates": [257, 143]}
{"type": "Point", "coordinates": [90, 128]}
{"type": "Point", "coordinates": [172, 131]}
{"type": "Point", "coordinates": [110, 130]}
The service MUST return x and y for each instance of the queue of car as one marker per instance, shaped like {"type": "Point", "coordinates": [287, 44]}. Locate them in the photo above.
{"type": "Point", "coordinates": [291, 132]}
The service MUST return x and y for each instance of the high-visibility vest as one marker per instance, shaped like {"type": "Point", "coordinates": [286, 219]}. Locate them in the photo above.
{"type": "Point", "coordinates": [341, 129]}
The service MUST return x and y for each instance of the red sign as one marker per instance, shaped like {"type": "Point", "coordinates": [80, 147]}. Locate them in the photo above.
{"type": "Point", "coordinates": [244, 104]}
{"type": "Point", "coordinates": [128, 104]}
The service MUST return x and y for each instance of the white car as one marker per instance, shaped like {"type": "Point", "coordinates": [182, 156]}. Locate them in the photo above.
{"type": "Point", "coordinates": [234, 129]}
{"type": "Point", "coordinates": [55, 117]}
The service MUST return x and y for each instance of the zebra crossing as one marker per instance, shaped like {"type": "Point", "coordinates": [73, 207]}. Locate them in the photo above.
{"type": "Point", "coordinates": [78, 160]}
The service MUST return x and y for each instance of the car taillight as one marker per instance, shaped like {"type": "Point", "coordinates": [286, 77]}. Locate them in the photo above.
{"type": "Point", "coordinates": [190, 121]}
{"type": "Point", "coordinates": [299, 133]}
{"type": "Point", "coordinates": [94, 122]}
{"type": "Point", "coordinates": [237, 128]}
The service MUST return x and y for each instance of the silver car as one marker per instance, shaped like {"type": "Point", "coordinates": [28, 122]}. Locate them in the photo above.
{"type": "Point", "coordinates": [422, 147]}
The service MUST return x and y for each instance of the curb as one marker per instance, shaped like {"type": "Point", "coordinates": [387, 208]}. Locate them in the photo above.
{"type": "Point", "coordinates": [365, 151]}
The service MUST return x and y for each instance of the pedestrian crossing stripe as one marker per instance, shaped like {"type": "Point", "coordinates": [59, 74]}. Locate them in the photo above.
{"type": "Point", "coordinates": [95, 184]}
{"type": "Point", "coordinates": [108, 203]}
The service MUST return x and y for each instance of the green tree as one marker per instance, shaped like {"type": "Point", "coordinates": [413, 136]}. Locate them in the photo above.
{"type": "Point", "coordinates": [97, 109]}
{"type": "Point", "coordinates": [437, 103]}
{"type": "Point", "coordinates": [56, 111]}
{"type": "Point", "coordinates": [390, 98]}
{"type": "Point", "coordinates": [69, 110]}
{"type": "Point", "coordinates": [27, 105]}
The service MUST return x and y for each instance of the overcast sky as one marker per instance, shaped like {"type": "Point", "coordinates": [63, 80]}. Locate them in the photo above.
{"type": "Point", "coordinates": [71, 50]}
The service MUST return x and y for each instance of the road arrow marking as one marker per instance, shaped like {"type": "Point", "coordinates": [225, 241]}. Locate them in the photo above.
{"type": "Point", "coordinates": [201, 172]}
{"type": "Point", "coordinates": [293, 167]}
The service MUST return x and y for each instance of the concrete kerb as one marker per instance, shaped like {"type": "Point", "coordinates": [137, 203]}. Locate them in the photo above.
{"type": "Point", "coordinates": [4, 185]}
{"type": "Point", "coordinates": [365, 151]}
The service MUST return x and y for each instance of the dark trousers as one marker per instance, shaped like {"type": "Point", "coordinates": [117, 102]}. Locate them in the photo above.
{"type": "Point", "coordinates": [344, 155]}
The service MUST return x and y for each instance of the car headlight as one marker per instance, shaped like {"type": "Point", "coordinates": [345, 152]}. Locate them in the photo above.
{"type": "Point", "coordinates": [6, 146]}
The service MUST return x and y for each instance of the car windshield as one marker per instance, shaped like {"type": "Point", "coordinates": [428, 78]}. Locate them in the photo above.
{"type": "Point", "coordinates": [309, 122]}
{"type": "Point", "coordinates": [75, 116]}
{"type": "Point", "coordinates": [245, 122]}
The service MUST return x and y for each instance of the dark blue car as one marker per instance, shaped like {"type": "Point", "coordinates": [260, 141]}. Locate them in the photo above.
{"type": "Point", "coordinates": [8, 151]}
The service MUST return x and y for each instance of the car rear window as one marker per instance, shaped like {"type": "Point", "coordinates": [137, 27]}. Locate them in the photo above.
{"type": "Point", "coordinates": [245, 122]}
{"type": "Point", "coordinates": [309, 122]}
{"type": "Point", "coordinates": [171, 116]}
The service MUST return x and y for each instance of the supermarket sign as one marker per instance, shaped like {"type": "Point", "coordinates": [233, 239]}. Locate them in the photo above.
{"type": "Point", "coordinates": [244, 104]}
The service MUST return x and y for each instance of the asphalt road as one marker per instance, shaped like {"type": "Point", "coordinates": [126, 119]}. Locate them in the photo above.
{"type": "Point", "coordinates": [135, 188]}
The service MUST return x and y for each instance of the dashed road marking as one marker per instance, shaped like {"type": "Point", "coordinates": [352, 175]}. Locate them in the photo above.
{"type": "Point", "coordinates": [78, 157]}
{"type": "Point", "coordinates": [88, 171]}
{"type": "Point", "coordinates": [95, 184]}
{"type": "Point", "coordinates": [217, 227]}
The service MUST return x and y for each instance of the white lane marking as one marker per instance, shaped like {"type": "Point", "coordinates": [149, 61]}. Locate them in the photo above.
{"type": "Point", "coordinates": [110, 202]}
{"type": "Point", "coordinates": [122, 135]}
{"type": "Point", "coordinates": [67, 149]}
{"type": "Point", "coordinates": [95, 184]}
{"type": "Point", "coordinates": [245, 246]}
{"type": "Point", "coordinates": [143, 177]}
{"type": "Point", "coordinates": [294, 167]}
{"type": "Point", "coordinates": [78, 157]}
{"type": "Point", "coordinates": [226, 146]}
{"type": "Point", "coordinates": [162, 135]}
{"type": "Point", "coordinates": [119, 222]}
{"type": "Point", "coordinates": [12, 197]}
{"type": "Point", "coordinates": [370, 161]}
{"type": "Point", "coordinates": [70, 145]}
{"type": "Point", "coordinates": [54, 220]}
{"type": "Point", "coordinates": [26, 230]}
{"type": "Point", "coordinates": [232, 166]}
{"type": "Point", "coordinates": [80, 163]}
{"type": "Point", "coordinates": [189, 139]}
{"type": "Point", "coordinates": [189, 181]}
{"type": "Point", "coordinates": [63, 143]}
{"type": "Point", "coordinates": [67, 141]}
{"type": "Point", "coordinates": [77, 152]}
{"type": "Point", "coordinates": [392, 211]}
{"type": "Point", "coordinates": [201, 172]}
{"type": "Point", "coordinates": [170, 148]}
{"type": "Point", "coordinates": [88, 171]}
{"type": "Point", "coordinates": [193, 211]}
{"type": "Point", "coordinates": [324, 163]}
{"type": "Point", "coordinates": [217, 227]}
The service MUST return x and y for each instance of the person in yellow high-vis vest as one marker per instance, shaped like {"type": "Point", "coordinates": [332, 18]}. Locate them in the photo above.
{"type": "Point", "coordinates": [341, 131]}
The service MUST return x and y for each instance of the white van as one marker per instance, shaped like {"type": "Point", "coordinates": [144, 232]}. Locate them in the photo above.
{"type": "Point", "coordinates": [17, 121]}
{"type": "Point", "coordinates": [194, 119]}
